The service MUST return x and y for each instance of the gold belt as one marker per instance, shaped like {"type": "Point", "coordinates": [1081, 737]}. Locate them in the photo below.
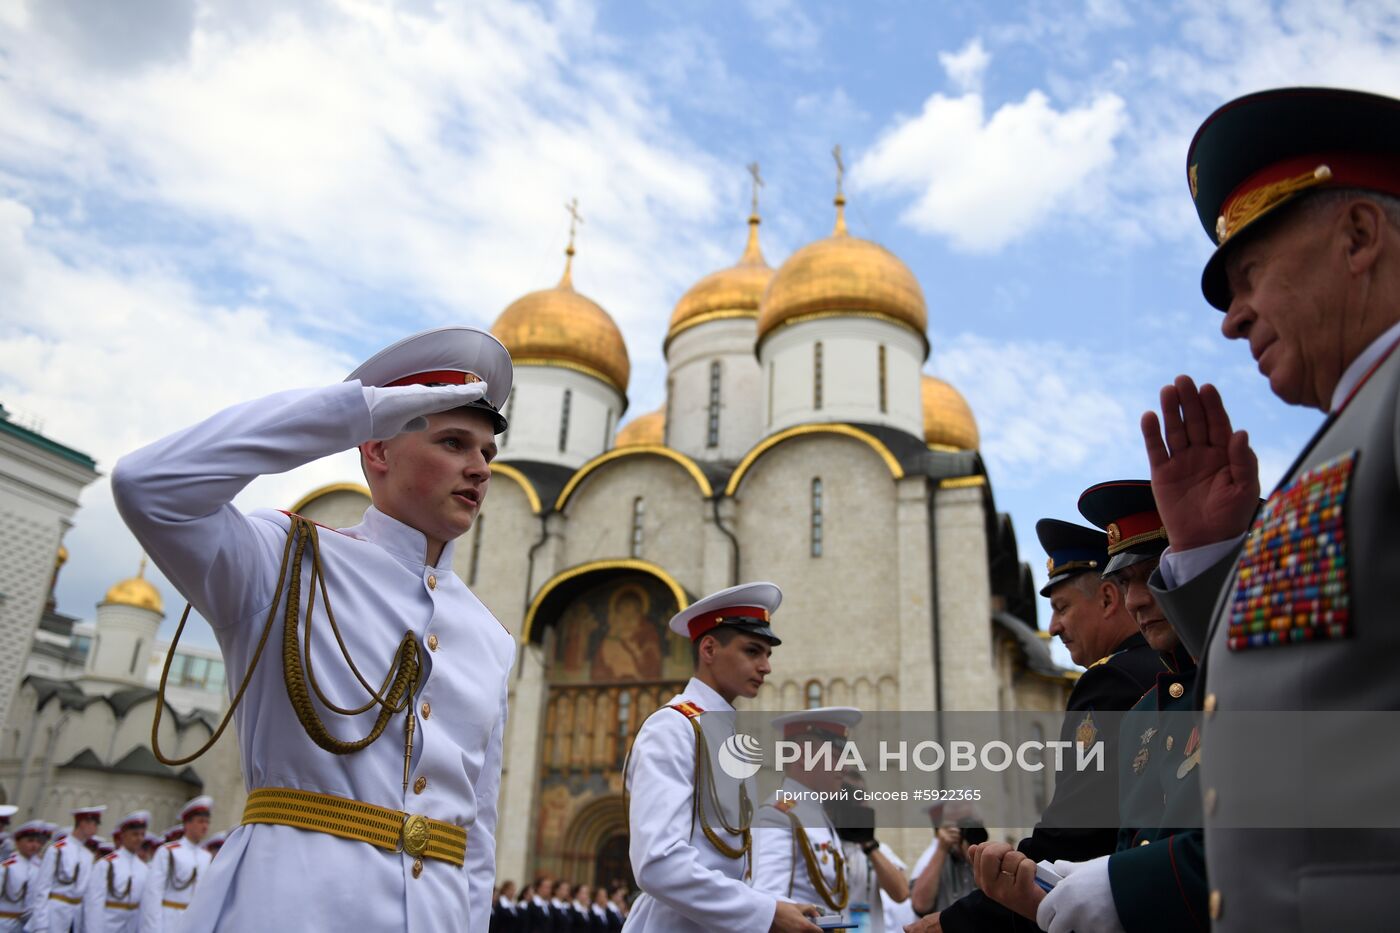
{"type": "Point", "coordinates": [176, 905]}
{"type": "Point", "coordinates": [6, 915]}
{"type": "Point", "coordinates": [118, 905]}
{"type": "Point", "coordinates": [389, 829]}
{"type": "Point", "coordinates": [66, 899]}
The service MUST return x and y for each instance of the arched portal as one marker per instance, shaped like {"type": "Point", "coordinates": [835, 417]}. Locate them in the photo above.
{"type": "Point", "coordinates": [610, 661]}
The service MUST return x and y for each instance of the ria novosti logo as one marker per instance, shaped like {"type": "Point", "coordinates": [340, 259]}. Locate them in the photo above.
{"type": "Point", "coordinates": [741, 756]}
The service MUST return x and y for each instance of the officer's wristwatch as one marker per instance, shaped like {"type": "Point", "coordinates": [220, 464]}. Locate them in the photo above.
{"type": "Point", "coordinates": [870, 846]}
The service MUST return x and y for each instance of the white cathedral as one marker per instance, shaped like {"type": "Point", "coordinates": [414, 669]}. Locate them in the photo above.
{"type": "Point", "coordinates": [800, 442]}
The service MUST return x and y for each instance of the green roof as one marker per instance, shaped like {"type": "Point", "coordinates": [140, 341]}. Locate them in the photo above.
{"type": "Point", "coordinates": [43, 443]}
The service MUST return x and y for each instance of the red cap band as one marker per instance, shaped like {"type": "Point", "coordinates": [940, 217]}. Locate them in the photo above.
{"type": "Point", "coordinates": [711, 620]}
{"type": "Point", "coordinates": [449, 377]}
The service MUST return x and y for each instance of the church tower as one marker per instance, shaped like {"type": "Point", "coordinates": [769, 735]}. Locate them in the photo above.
{"type": "Point", "coordinates": [127, 621]}
{"type": "Point", "coordinates": [841, 335]}
{"type": "Point", "coordinates": [571, 373]}
{"type": "Point", "coordinates": [713, 377]}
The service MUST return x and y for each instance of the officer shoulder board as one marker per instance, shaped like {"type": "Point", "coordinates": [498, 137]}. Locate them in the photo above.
{"type": "Point", "coordinates": [11, 860]}
{"type": "Point", "coordinates": [172, 845]}
{"type": "Point", "coordinates": [687, 709]}
{"type": "Point", "coordinates": [784, 805]}
{"type": "Point", "coordinates": [110, 857]}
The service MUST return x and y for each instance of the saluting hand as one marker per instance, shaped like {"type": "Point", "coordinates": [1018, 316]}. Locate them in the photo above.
{"type": "Point", "coordinates": [394, 410]}
{"type": "Point", "coordinates": [1205, 477]}
{"type": "Point", "coordinates": [792, 918]}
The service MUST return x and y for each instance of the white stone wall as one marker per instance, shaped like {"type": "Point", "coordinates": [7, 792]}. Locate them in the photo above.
{"type": "Point", "coordinates": [38, 497]}
{"type": "Point", "coordinates": [850, 374]}
{"type": "Point", "coordinates": [536, 413]}
{"type": "Point", "coordinates": [840, 618]}
{"type": "Point", "coordinates": [499, 547]}
{"type": "Point", "coordinates": [970, 680]}
{"type": "Point", "coordinates": [689, 359]}
{"type": "Point", "coordinates": [124, 642]}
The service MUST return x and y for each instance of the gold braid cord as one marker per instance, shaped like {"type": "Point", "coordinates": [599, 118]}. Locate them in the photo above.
{"type": "Point", "coordinates": [392, 697]}
{"type": "Point", "coordinates": [111, 888]}
{"type": "Point", "coordinates": [836, 899]}
{"type": "Point", "coordinates": [172, 877]}
{"type": "Point", "coordinates": [705, 784]}
{"type": "Point", "coordinates": [5, 889]}
{"type": "Point", "coordinates": [58, 869]}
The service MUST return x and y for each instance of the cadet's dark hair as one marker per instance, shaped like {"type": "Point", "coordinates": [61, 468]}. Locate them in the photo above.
{"type": "Point", "coordinates": [723, 634]}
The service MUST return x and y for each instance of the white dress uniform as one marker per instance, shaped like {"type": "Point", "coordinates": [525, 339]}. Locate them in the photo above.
{"type": "Point", "coordinates": [688, 886]}
{"type": "Point", "coordinates": [176, 496]}
{"type": "Point", "coordinates": [778, 866]}
{"type": "Point", "coordinates": [175, 872]}
{"type": "Point", "coordinates": [16, 873]}
{"type": "Point", "coordinates": [112, 894]}
{"type": "Point", "coordinates": [56, 889]}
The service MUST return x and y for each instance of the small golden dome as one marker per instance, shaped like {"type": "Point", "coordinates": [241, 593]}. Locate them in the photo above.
{"type": "Point", "coordinates": [137, 591]}
{"type": "Point", "coordinates": [62, 557]}
{"type": "Point", "coordinates": [647, 430]}
{"type": "Point", "coordinates": [948, 420]}
{"type": "Point", "coordinates": [843, 275]}
{"type": "Point", "coordinates": [559, 327]}
{"type": "Point", "coordinates": [728, 293]}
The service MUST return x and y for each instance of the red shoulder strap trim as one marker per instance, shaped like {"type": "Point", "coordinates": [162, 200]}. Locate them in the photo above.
{"type": "Point", "coordinates": [785, 805]}
{"type": "Point", "coordinates": [172, 845]}
{"type": "Point", "coordinates": [687, 709]}
{"type": "Point", "coordinates": [110, 857]}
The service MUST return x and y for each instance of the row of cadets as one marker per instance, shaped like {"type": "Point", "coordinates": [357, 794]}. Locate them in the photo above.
{"type": "Point", "coordinates": [56, 889]}
{"type": "Point", "coordinates": [19, 869]}
{"type": "Point", "coordinates": [691, 844]}
{"type": "Point", "coordinates": [177, 869]}
{"type": "Point", "coordinates": [415, 812]}
{"type": "Point", "coordinates": [113, 890]}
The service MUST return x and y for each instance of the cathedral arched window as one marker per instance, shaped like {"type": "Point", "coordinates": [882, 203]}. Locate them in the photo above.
{"type": "Point", "coordinates": [608, 430]}
{"type": "Point", "coordinates": [814, 694]}
{"type": "Point", "coordinates": [666, 425]}
{"type": "Point", "coordinates": [771, 367]}
{"type": "Point", "coordinates": [712, 437]}
{"type": "Point", "coordinates": [818, 517]}
{"type": "Point", "coordinates": [564, 420]}
{"type": "Point", "coordinates": [135, 655]}
{"type": "Point", "coordinates": [884, 390]}
{"type": "Point", "coordinates": [476, 549]}
{"type": "Point", "coordinates": [817, 375]}
{"type": "Point", "coordinates": [510, 414]}
{"type": "Point", "coordinates": [638, 511]}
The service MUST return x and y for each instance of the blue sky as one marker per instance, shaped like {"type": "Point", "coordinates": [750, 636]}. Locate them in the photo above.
{"type": "Point", "coordinates": [200, 204]}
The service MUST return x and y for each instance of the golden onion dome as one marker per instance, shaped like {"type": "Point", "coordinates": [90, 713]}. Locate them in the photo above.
{"type": "Point", "coordinates": [136, 591]}
{"type": "Point", "coordinates": [728, 293]}
{"type": "Point", "coordinates": [843, 276]}
{"type": "Point", "coordinates": [647, 430]}
{"type": "Point", "coordinates": [948, 421]}
{"type": "Point", "coordinates": [559, 327]}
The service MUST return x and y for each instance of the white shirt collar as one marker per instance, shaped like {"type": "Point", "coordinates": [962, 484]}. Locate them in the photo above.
{"type": "Point", "coordinates": [404, 542]}
{"type": "Point", "coordinates": [705, 696]}
{"type": "Point", "coordinates": [1362, 365]}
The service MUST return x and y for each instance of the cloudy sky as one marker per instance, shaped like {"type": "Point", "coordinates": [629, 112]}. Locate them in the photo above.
{"type": "Point", "coordinates": [203, 202]}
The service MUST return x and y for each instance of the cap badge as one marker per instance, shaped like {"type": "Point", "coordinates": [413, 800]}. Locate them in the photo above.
{"type": "Point", "coordinates": [1050, 566]}
{"type": "Point", "coordinates": [1115, 534]}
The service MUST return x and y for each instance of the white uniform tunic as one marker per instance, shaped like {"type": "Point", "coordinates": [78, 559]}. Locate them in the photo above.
{"type": "Point", "coordinates": [175, 873]}
{"type": "Point", "coordinates": [688, 886]}
{"type": "Point", "coordinates": [16, 872]}
{"type": "Point", "coordinates": [778, 868]}
{"type": "Point", "coordinates": [175, 495]}
{"type": "Point", "coordinates": [56, 889]}
{"type": "Point", "coordinates": [112, 894]}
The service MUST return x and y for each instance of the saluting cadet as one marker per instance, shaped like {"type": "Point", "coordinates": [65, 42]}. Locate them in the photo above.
{"type": "Point", "coordinates": [386, 835]}
{"type": "Point", "coordinates": [56, 890]}
{"type": "Point", "coordinates": [690, 840]}
{"type": "Point", "coordinates": [19, 869]}
{"type": "Point", "coordinates": [797, 851]}
{"type": "Point", "coordinates": [1089, 615]}
{"type": "Point", "coordinates": [1292, 606]}
{"type": "Point", "coordinates": [112, 893]}
{"type": "Point", "coordinates": [177, 869]}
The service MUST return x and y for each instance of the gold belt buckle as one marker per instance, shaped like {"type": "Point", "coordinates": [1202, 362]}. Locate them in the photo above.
{"type": "Point", "coordinates": [414, 835]}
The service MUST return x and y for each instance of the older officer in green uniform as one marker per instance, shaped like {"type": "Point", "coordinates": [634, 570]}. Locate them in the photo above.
{"type": "Point", "coordinates": [1089, 616]}
{"type": "Point", "coordinates": [1156, 878]}
{"type": "Point", "coordinates": [1293, 608]}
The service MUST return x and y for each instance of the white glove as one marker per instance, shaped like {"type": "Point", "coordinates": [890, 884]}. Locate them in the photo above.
{"type": "Point", "coordinates": [397, 409]}
{"type": "Point", "coordinates": [1083, 902]}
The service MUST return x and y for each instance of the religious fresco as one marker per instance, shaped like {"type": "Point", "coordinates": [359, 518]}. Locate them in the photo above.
{"type": "Point", "coordinates": [616, 632]}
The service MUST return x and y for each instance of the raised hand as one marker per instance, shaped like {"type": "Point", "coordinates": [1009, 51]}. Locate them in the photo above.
{"type": "Point", "coordinates": [1205, 477]}
{"type": "Point", "coordinates": [396, 409]}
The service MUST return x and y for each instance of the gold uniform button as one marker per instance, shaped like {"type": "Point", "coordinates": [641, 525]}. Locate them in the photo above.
{"type": "Point", "coordinates": [1215, 904]}
{"type": "Point", "coordinates": [1211, 797]}
{"type": "Point", "coordinates": [417, 867]}
{"type": "Point", "coordinates": [432, 581]}
{"type": "Point", "coordinates": [1145, 842]}
{"type": "Point", "coordinates": [426, 709]}
{"type": "Point", "coordinates": [420, 785]}
{"type": "Point", "coordinates": [432, 642]}
{"type": "Point", "coordinates": [1176, 690]}
{"type": "Point", "coordinates": [1210, 703]}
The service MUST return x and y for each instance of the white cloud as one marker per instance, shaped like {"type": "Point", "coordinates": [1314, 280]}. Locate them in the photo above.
{"type": "Point", "coordinates": [787, 27]}
{"type": "Point", "coordinates": [965, 68]}
{"type": "Point", "coordinates": [984, 181]}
